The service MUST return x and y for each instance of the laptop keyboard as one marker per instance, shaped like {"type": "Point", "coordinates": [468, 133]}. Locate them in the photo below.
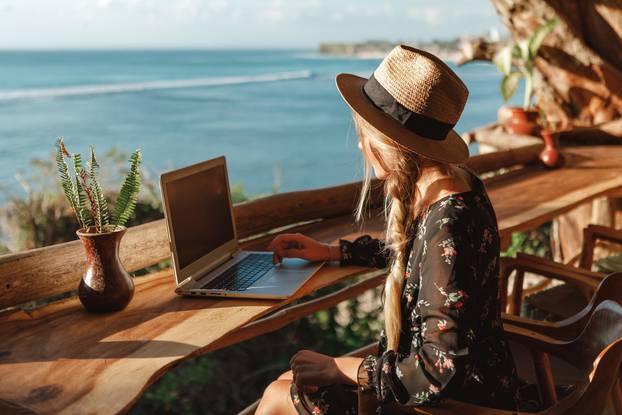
{"type": "Point", "coordinates": [243, 274]}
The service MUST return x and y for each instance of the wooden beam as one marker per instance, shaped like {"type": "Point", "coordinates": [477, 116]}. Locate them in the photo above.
{"type": "Point", "coordinates": [505, 158]}
{"type": "Point", "coordinates": [290, 314]}
{"type": "Point", "coordinates": [45, 272]}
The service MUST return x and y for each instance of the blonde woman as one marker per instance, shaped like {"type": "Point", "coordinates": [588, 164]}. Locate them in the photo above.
{"type": "Point", "coordinates": [443, 335]}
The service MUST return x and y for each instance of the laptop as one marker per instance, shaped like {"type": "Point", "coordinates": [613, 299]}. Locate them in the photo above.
{"type": "Point", "coordinates": [207, 259]}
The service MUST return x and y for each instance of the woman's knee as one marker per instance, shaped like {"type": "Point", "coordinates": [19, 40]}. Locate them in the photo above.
{"type": "Point", "coordinates": [286, 375]}
{"type": "Point", "coordinates": [276, 399]}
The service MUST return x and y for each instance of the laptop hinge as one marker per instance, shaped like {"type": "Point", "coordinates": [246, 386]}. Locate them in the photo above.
{"type": "Point", "coordinates": [201, 273]}
{"type": "Point", "coordinates": [184, 282]}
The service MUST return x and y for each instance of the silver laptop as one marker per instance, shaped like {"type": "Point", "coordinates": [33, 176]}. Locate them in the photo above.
{"type": "Point", "coordinates": [207, 259]}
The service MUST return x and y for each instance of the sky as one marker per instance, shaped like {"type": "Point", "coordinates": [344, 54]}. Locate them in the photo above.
{"type": "Point", "coordinates": [119, 24]}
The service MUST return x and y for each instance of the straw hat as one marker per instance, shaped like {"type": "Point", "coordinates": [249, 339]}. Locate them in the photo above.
{"type": "Point", "coordinates": [413, 98]}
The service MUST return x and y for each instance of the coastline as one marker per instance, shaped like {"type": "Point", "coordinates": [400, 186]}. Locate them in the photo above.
{"type": "Point", "coordinates": [446, 50]}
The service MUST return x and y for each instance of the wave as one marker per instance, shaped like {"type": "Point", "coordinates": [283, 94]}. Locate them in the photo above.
{"type": "Point", "coordinates": [27, 94]}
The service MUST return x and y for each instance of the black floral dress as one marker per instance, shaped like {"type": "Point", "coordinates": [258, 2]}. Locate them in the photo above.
{"type": "Point", "coordinates": [452, 342]}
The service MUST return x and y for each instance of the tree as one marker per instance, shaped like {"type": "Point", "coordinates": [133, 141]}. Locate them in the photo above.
{"type": "Point", "coordinates": [578, 76]}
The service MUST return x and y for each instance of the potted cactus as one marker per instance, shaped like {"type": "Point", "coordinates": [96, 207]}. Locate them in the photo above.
{"type": "Point", "coordinates": [516, 61]}
{"type": "Point", "coordinates": [106, 286]}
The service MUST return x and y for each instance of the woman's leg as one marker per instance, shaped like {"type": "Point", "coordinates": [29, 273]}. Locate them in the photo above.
{"type": "Point", "coordinates": [276, 399]}
{"type": "Point", "coordinates": [287, 375]}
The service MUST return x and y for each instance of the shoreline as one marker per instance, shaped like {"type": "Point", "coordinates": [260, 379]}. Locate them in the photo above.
{"type": "Point", "coordinates": [446, 50]}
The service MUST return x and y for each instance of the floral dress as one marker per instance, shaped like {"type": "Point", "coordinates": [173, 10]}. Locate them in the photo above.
{"type": "Point", "coordinates": [452, 342]}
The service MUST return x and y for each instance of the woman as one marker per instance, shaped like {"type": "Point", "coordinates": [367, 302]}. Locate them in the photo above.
{"type": "Point", "coordinates": [443, 335]}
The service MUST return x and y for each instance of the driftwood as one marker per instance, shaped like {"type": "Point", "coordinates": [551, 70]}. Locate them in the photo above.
{"type": "Point", "coordinates": [579, 66]}
{"type": "Point", "coordinates": [478, 49]}
{"type": "Point", "coordinates": [605, 133]}
{"type": "Point", "coordinates": [495, 136]}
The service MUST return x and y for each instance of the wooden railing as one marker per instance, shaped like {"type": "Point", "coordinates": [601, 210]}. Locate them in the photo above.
{"type": "Point", "coordinates": [41, 273]}
{"type": "Point", "coordinates": [45, 272]}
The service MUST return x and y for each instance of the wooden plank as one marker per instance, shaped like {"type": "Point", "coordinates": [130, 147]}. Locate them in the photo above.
{"type": "Point", "coordinates": [290, 314]}
{"type": "Point", "coordinates": [522, 200]}
{"type": "Point", "coordinates": [44, 272]}
{"type": "Point", "coordinates": [505, 158]}
{"type": "Point", "coordinates": [62, 360]}
{"type": "Point", "coordinates": [536, 195]}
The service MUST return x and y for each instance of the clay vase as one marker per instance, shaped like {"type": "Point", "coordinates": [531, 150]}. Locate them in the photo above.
{"type": "Point", "coordinates": [550, 156]}
{"type": "Point", "coordinates": [106, 286]}
{"type": "Point", "coordinates": [517, 120]}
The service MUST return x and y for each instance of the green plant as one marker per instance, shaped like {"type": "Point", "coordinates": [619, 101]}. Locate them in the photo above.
{"type": "Point", "coordinates": [83, 185]}
{"type": "Point", "coordinates": [516, 61]}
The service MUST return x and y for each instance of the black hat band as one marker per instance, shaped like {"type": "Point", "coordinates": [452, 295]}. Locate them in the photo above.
{"type": "Point", "coordinates": [417, 123]}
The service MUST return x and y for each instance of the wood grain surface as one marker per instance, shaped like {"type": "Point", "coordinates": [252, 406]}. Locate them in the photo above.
{"type": "Point", "coordinates": [60, 359]}
{"type": "Point", "coordinates": [44, 272]}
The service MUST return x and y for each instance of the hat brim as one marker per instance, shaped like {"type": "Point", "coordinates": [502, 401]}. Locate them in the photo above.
{"type": "Point", "coordinates": [451, 149]}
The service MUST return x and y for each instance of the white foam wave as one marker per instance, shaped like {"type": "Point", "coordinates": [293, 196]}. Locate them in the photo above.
{"type": "Point", "coordinates": [26, 94]}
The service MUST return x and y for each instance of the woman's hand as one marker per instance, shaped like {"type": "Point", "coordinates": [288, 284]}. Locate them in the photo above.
{"type": "Point", "coordinates": [297, 245]}
{"type": "Point", "coordinates": [311, 369]}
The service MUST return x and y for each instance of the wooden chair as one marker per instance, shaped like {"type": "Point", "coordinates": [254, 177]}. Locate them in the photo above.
{"type": "Point", "coordinates": [591, 235]}
{"type": "Point", "coordinates": [593, 331]}
{"type": "Point", "coordinates": [585, 281]}
{"type": "Point", "coordinates": [579, 277]}
{"type": "Point", "coordinates": [597, 352]}
{"type": "Point", "coordinates": [610, 288]}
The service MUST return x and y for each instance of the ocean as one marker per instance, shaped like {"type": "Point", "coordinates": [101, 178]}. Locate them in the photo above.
{"type": "Point", "coordinates": [275, 114]}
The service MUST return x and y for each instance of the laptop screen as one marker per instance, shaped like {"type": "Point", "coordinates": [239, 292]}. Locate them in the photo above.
{"type": "Point", "coordinates": [200, 213]}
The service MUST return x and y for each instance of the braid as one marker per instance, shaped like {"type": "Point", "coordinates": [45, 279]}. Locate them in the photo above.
{"type": "Point", "coordinates": [399, 188]}
{"type": "Point", "coordinates": [402, 205]}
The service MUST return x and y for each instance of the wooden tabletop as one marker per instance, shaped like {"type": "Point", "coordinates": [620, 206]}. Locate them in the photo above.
{"type": "Point", "coordinates": [60, 359]}
{"type": "Point", "coordinates": [535, 195]}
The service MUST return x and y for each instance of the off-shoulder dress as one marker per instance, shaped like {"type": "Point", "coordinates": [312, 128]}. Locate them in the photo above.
{"type": "Point", "coordinates": [452, 342]}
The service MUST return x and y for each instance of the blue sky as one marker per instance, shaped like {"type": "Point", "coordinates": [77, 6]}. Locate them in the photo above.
{"type": "Point", "coordinates": [60, 24]}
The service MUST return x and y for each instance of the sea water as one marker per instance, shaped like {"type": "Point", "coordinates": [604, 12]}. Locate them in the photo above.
{"type": "Point", "coordinates": [275, 114]}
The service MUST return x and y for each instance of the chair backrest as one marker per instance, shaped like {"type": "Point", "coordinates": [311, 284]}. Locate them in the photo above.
{"type": "Point", "coordinates": [598, 350]}
{"type": "Point", "coordinates": [610, 288]}
{"type": "Point", "coordinates": [603, 328]}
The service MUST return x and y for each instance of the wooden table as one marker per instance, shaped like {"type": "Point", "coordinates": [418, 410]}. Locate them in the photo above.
{"type": "Point", "coordinates": [60, 359]}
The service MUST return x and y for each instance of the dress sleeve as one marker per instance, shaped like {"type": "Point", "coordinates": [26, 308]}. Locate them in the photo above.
{"type": "Point", "coordinates": [440, 327]}
{"type": "Point", "coordinates": [365, 251]}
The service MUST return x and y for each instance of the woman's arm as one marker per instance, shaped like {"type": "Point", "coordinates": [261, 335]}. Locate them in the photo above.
{"type": "Point", "coordinates": [365, 251]}
{"type": "Point", "coordinates": [439, 349]}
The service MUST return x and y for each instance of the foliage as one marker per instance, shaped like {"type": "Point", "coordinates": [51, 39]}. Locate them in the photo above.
{"type": "Point", "coordinates": [126, 203]}
{"type": "Point", "coordinates": [517, 60]}
{"type": "Point", "coordinates": [84, 185]}
{"type": "Point", "coordinates": [37, 215]}
{"type": "Point", "coordinates": [534, 242]}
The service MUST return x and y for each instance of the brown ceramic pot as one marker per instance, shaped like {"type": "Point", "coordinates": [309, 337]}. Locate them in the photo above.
{"type": "Point", "coordinates": [106, 286]}
{"type": "Point", "coordinates": [550, 156]}
{"type": "Point", "coordinates": [517, 120]}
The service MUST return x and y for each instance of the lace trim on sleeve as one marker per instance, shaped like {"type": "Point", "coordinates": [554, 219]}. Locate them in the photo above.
{"type": "Point", "coordinates": [365, 251]}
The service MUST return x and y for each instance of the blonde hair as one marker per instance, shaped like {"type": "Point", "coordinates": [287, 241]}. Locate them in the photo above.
{"type": "Point", "coordinates": [402, 204]}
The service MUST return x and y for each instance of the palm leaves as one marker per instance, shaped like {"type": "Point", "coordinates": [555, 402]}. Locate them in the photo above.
{"type": "Point", "coordinates": [83, 185]}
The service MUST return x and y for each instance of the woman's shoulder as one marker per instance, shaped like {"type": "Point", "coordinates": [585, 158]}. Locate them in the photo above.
{"type": "Point", "coordinates": [456, 213]}
{"type": "Point", "coordinates": [462, 204]}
